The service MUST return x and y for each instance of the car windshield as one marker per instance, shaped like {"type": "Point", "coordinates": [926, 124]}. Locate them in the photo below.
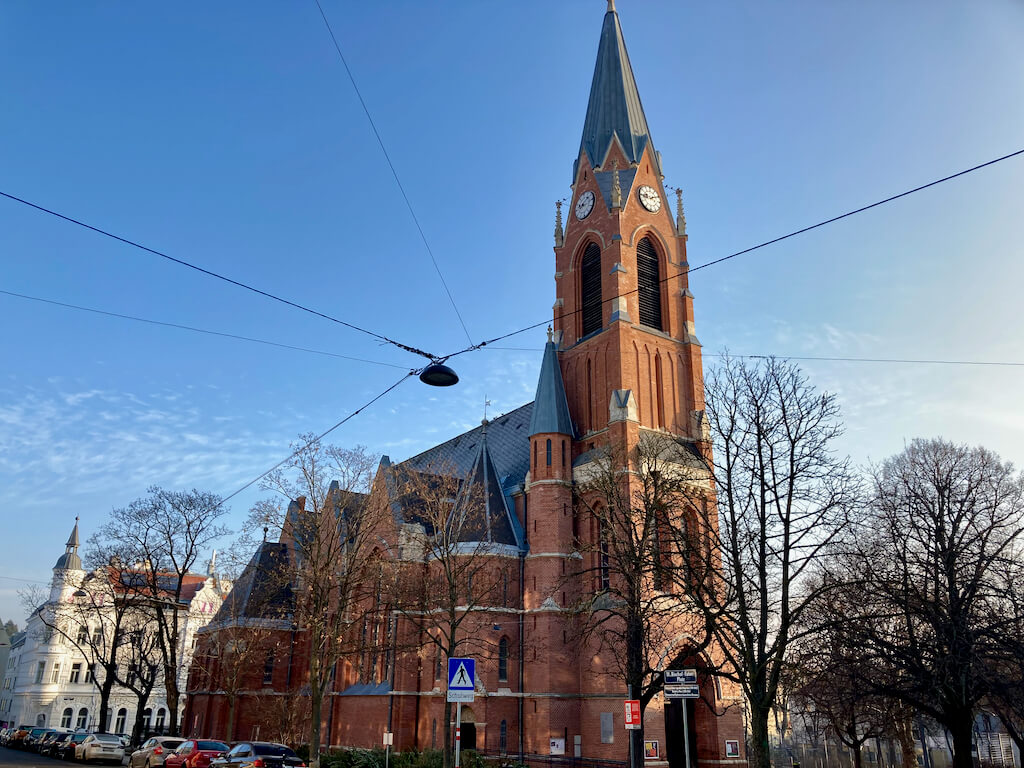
{"type": "Point", "coordinates": [214, 746]}
{"type": "Point", "coordinates": [109, 737]}
{"type": "Point", "coordinates": [273, 750]}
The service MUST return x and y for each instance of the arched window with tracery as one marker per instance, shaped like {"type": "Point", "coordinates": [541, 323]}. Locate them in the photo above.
{"type": "Point", "coordinates": [648, 277]}
{"type": "Point", "coordinates": [590, 289]}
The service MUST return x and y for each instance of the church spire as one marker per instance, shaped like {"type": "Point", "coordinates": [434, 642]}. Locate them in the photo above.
{"type": "Point", "coordinates": [550, 408]}
{"type": "Point", "coordinates": [614, 108]}
{"type": "Point", "coordinates": [70, 561]}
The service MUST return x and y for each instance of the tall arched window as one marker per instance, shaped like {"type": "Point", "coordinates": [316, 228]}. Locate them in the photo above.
{"type": "Point", "coordinates": [65, 718]}
{"type": "Point", "coordinates": [119, 723]}
{"type": "Point", "coordinates": [161, 715]}
{"type": "Point", "coordinates": [503, 659]}
{"type": "Point", "coordinates": [503, 737]}
{"type": "Point", "coordinates": [548, 452]}
{"type": "Point", "coordinates": [147, 718]}
{"type": "Point", "coordinates": [83, 718]}
{"type": "Point", "coordinates": [648, 284]}
{"type": "Point", "coordinates": [590, 289]}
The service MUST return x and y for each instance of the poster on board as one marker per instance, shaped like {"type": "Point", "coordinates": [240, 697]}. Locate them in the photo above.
{"type": "Point", "coordinates": [651, 751]}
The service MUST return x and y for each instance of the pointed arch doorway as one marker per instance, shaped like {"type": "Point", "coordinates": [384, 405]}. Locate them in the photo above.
{"type": "Point", "coordinates": [685, 717]}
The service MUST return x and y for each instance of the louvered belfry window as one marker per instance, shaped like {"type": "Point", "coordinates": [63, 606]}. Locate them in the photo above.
{"type": "Point", "coordinates": [590, 289]}
{"type": "Point", "coordinates": [648, 284]}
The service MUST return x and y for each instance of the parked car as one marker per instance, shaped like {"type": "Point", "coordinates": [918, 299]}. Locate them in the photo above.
{"type": "Point", "coordinates": [195, 753]}
{"type": "Point", "coordinates": [33, 737]}
{"type": "Point", "coordinates": [17, 739]}
{"type": "Point", "coordinates": [67, 748]}
{"type": "Point", "coordinates": [153, 751]}
{"type": "Point", "coordinates": [258, 754]}
{"type": "Point", "coordinates": [53, 746]}
{"type": "Point", "coordinates": [100, 746]}
{"type": "Point", "coordinates": [39, 744]}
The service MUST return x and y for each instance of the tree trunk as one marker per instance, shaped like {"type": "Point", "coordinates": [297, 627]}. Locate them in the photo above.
{"type": "Point", "coordinates": [105, 689]}
{"type": "Point", "coordinates": [229, 730]}
{"type": "Point", "coordinates": [447, 761]}
{"type": "Point", "coordinates": [172, 695]}
{"type": "Point", "coordinates": [759, 753]}
{"type": "Point", "coordinates": [905, 737]}
{"type": "Point", "coordinates": [858, 755]}
{"type": "Point", "coordinates": [137, 727]}
{"type": "Point", "coordinates": [963, 739]}
{"type": "Point", "coordinates": [315, 704]}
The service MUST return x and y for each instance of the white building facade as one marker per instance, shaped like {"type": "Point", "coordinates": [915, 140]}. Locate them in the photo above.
{"type": "Point", "coordinates": [52, 678]}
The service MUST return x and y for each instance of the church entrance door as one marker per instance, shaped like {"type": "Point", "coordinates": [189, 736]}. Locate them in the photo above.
{"type": "Point", "coordinates": [675, 748]}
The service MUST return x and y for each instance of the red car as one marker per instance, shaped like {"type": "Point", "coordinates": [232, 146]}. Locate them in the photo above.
{"type": "Point", "coordinates": [195, 753]}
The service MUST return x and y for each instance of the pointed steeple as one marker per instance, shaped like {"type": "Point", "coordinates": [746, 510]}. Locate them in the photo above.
{"type": "Point", "coordinates": [481, 514]}
{"type": "Point", "coordinates": [70, 561]}
{"type": "Point", "coordinates": [550, 407]}
{"type": "Point", "coordinates": [614, 108]}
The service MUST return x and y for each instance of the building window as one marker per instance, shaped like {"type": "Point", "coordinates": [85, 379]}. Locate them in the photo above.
{"type": "Point", "coordinates": [268, 669]}
{"type": "Point", "coordinates": [83, 719]}
{"type": "Point", "coordinates": [147, 718]}
{"type": "Point", "coordinates": [40, 669]}
{"type": "Point", "coordinates": [65, 718]}
{"type": "Point", "coordinates": [607, 728]}
{"type": "Point", "coordinates": [97, 637]}
{"type": "Point", "coordinates": [563, 454]}
{"type": "Point", "coordinates": [590, 289]}
{"type": "Point", "coordinates": [122, 717]}
{"type": "Point", "coordinates": [549, 452]}
{"type": "Point", "coordinates": [55, 674]}
{"type": "Point", "coordinates": [76, 672]}
{"type": "Point", "coordinates": [503, 737]}
{"type": "Point", "coordinates": [648, 284]}
{"type": "Point", "coordinates": [83, 635]}
{"type": "Point", "coordinates": [90, 673]}
{"type": "Point", "coordinates": [433, 734]}
{"type": "Point", "coordinates": [604, 558]}
{"type": "Point", "coordinates": [40, 720]}
{"type": "Point", "coordinates": [503, 660]}
{"type": "Point", "coordinates": [161, 715]}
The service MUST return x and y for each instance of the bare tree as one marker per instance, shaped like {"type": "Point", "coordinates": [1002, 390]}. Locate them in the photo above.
{"type": "Point", "coordinates": [783, 499]}
{"type": "Point", "coordinates": [323, 511]}
{"type": "Point", "coordinates": [448, 578]}
{"type": "Point", "coordinates": [935, 577]}
{"type": "Point", "coordinates": [163, 536]}
{"type": "Point", "coordinates": [139, 663]}
{"type": "Point", "coordinates": [633, 501]}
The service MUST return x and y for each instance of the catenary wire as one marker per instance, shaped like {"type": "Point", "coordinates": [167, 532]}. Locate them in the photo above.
{"type": "Point", "coordinates": [824, 359]}
{"type": "Point", "coordinates": [321, 436]}
{"type": "Point", "coordinates": [752, 248]}
{"type": "Point", "coordinates": [391, 165]}
{"type": "Point", "coordinates": [210, 273]}
{"type": "Point", "coordinates": [198, 330]}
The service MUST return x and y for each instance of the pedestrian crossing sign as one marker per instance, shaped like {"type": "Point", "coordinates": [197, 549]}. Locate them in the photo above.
{"type": "Point", "coordinates": [461, 679]}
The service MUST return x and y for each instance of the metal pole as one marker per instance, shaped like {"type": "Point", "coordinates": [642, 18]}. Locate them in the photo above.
{"type": "Point", "coordinates": [632, 741]}
{"type": "Point", "coordinates": [458, 732]}
{"type": "Point", "coordinates": [686, 731]}
{"type": "Point", "coordinates": [387, 754]}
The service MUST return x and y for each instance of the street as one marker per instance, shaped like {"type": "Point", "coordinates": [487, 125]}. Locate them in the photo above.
{"type": "Point", "coordinates": [16, 757]}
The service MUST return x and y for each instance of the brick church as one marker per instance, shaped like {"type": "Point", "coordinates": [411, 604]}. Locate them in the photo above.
{"type": "Point", "coordinates": [621, 361]}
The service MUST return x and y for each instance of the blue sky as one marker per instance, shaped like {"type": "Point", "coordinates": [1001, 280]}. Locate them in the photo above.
{"type": "Point", "coordinates": [229, 135]}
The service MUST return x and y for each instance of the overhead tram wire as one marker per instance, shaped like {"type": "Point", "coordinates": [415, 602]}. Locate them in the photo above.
{"type": "Point", "coordinates": [823, 359]}
{"type": "Point", "coordinates": [752, 248]}
{"type": "Point", "coordinates": [210, 273]}
{"type": "Point", "coordinates": [198, 330]}
{"type": "Point", "coordinates": [391, 165]}
{"type": "Point", "coordinates": [319, 437]}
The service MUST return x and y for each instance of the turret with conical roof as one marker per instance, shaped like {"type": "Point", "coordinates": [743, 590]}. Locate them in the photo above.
{"type": "Point", "coordinates": [70, 561]}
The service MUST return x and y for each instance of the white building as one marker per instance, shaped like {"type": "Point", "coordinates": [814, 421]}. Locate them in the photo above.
{"type": "Point", "coordinates": [51, 674]}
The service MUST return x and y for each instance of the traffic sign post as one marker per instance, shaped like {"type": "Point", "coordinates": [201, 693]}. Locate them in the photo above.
{"type": "Point", "coordinates": [682, 684]}
{"type": "Point", "coordinates": [461, 688]}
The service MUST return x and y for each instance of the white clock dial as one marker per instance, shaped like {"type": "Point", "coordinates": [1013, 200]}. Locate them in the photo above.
{"type": "Point", "coordinates": [649, 198]}
{"type": "Point", "coordinates": [584, 205]}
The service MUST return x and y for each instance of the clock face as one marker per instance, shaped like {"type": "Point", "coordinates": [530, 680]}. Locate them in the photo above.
{"type": "Point", "coordinates": [649, 198]}
{"type": "Point", "coordinates": [584, 205]}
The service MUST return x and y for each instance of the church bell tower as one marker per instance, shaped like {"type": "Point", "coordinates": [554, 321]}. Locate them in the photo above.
{"type": "Point", "coordinates": [623, 311]}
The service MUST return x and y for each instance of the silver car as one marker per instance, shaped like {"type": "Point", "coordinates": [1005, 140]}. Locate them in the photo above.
{"type": "Point", "coordinates": [153, 751]}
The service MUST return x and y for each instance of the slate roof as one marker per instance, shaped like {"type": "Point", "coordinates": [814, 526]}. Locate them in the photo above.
{"type": "Point", "coordinates": [493, 522]}
{"type": "Point", "coordinates": [614, 107]}
{"type": "Point", "coordinates": [70, 559]}
{"type": "Point", "coordinates": [550, 408]}
{"type": "Point", "coordinates": [507, 442]}
{"type": "Point", "coordinates": [259, 593]}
